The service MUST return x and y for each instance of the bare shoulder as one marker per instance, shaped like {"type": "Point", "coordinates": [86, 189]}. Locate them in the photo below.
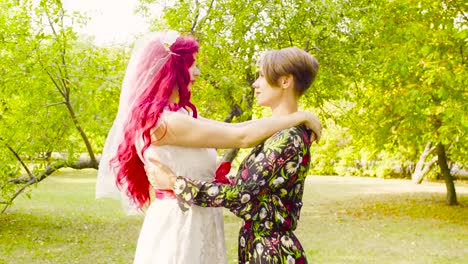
{"type": "Point", "coordinates": [175, 117]}
{"type": "Point", "coordinates": [170, 125]}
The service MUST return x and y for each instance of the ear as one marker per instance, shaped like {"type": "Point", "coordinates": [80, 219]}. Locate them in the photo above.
{"type": "Point", "coordinates": [286, 81]}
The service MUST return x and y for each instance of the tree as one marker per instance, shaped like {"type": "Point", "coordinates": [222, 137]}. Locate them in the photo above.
{"type": "Point", "coordinates": [58, 97]}
{"type": "Point", "coordinates": [393, 77]}
{"type": "Point", "coordinates": [414, 79]}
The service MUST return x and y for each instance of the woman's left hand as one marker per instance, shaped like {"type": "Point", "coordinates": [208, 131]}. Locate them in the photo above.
{"type": "Point", "coordinates": [313, 123]}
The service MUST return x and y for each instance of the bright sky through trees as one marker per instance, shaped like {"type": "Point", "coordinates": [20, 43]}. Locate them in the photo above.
{"type": "Point", "coordinates": [110, 20]}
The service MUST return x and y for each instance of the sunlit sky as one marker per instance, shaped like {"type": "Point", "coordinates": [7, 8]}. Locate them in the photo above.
{"type": "Point", "coordinates": [111, 20]}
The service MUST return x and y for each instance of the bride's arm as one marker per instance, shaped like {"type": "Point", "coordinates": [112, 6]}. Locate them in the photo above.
{"type": "Point", "coordinates": [183, 130]}
{"type": "Point", "coordinates": [315, 125]}
{"type": "Point", "coordinates": [225, 123]}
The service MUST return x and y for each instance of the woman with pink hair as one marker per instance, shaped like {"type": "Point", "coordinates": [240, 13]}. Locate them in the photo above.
{"type": "Point", "coordinates": [155, 102]}
{"type": "Point", "coordinates": [267, 191]}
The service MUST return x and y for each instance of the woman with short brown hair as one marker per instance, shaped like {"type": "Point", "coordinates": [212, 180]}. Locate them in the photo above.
{"type": "Point", "coordinates": [267, 192]}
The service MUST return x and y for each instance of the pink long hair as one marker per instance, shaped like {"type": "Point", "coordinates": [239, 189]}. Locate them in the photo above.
{"type": "Point", "coordinates": [151, 99]}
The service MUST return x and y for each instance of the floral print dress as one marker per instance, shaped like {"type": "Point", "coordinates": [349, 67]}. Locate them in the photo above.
{"type": "Point", "coordinates": [267, 194]}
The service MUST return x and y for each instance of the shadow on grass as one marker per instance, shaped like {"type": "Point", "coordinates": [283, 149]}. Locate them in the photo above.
{"type": "Point", "coordinates": [78, 237]}
{"type": "Point", "coordinates": [416, 205]}
{"type": "Point", "coordinates": [416, 228]}
{"type": "Point", "coordinates": [344, 220]}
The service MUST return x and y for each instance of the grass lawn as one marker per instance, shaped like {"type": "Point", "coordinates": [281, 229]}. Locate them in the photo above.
{"type": "Point", "coordinates": [344, 220]}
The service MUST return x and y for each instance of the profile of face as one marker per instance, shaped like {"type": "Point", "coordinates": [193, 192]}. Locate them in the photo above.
{"type": "Point", "coordinates": [266, 94]}
{"type": "Point", "coordinates": [194, 72]}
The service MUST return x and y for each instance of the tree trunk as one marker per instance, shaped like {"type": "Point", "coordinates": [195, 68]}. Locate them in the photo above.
{"type": "Point", "coordinates": [445, 171]}
{"type": "Point", "coordinates": [423, 167]}
{"type": "Point", "coordinates": [236, 110]}
{"type": "Point", "coordinates": [231, 154]}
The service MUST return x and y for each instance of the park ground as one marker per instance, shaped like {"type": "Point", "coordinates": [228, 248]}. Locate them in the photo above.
{"type": "Point", "coordinates": [344, 220]}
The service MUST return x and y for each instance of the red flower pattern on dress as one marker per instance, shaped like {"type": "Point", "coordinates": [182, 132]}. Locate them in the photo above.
{"type": "Point", "coordinates": [300, 260]}
{"type": "Point", "coordinates": [221, 173]}
{"type": "Point", "coordinates": [274, 193]}
{"type": "Point", "coordinates": [245, 173]}
{"type": "Point", "coordinates": [306, 159]}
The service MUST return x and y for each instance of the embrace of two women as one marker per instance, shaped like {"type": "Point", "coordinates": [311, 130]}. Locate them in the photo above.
{"type": "Point", "coordinates": [158, 143]}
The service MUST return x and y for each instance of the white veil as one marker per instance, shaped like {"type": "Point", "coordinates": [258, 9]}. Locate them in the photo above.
{"type": "Point", "coordinates": [132, 85]}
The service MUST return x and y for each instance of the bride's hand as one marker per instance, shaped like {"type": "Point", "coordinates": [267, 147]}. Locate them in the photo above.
{"type": "Point", "coordinates": [162, 176]}
{"type": "Point", "coordinates": [313, 123]}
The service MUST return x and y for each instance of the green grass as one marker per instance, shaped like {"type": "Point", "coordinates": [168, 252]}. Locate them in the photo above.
{"type": "Point", "coordinates": [344, 220]}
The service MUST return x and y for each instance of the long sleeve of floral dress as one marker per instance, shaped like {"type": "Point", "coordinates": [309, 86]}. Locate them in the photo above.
{"type": "Point", "coordinates": [267, 194]}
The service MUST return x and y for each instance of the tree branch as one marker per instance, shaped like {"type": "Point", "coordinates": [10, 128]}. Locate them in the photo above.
{"type": "Point", "coordinates": [430, 163]}
{"type": "Point", "coordinates": [59, 88]}
{"type": "Point", "coordinates": [54, 104]}
{"type": "Point", "coordinates": [82, 133]}
{"type": "Point", "coordinates": [286, 19]}
{"type": "Point", "coordinates": [53, 167]}
{"type": "Point", "coordinates": [202, 21]}
{"type": "Point", "coordinates": [460, 11]}
{"type": "Point", "coordinates": [423, 167]}
{"type": "Point", "coordinates": [195, 19]}
{"type": "Point", "coordinates": [62, 76]}
{"type": "Point", "coordinates": [64, 89]}
{"type": "Point", "coordinates": [79, 165]}
{"type": "Point", "coordinates": [18, 158]}
{"type": "Point", "coordinates": [462, 56]}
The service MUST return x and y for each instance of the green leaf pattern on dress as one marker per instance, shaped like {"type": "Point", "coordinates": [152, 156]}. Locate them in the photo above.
{"type": "Point", "coordinates": [267, 194]}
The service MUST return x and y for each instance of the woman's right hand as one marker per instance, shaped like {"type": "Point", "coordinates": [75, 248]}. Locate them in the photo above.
{"type": "Point", "coordinates": [313, 123]}
{"type": "Point", "coordinates": [162, 177]}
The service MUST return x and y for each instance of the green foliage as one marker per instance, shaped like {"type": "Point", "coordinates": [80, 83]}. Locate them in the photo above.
{"type": "Point", "coordinates": [392, 74]}
{"type": "Point", "coordinates": [415, 84]}
{"type": "Point", "coordinates": [56, 91]}
{"type": "Point", "coordinates": [340, 154]}
{"type": "Point", "coordinates": [232, 35]}
{"type": "Point", "coordinates": [406, 71]}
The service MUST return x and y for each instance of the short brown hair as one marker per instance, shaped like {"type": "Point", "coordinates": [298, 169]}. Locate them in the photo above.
{"type": "Point", "coordinates": [300, 64]}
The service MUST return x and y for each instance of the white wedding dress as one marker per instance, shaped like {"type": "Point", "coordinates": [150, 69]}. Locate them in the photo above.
{"type": "Point", "coordinates": [170, 236]}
